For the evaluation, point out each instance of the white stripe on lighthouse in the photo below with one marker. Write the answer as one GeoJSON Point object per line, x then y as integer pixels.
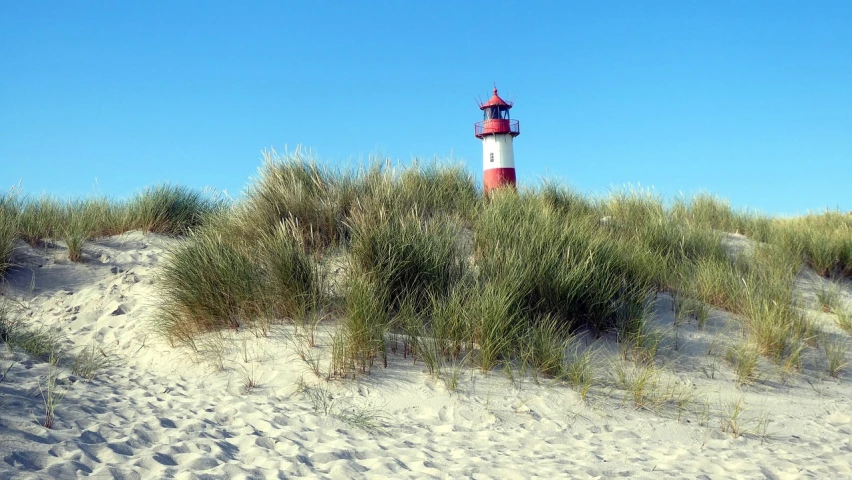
{"type": "Point", "coordinates": [497, 152]}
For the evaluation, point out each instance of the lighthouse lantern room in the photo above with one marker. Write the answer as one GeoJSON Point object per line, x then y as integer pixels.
{"type": "Point", "coordinates": [497, 130]}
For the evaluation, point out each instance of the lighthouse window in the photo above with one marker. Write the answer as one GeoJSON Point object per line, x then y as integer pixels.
{"type": "Point", "coordinates": [491, 156]}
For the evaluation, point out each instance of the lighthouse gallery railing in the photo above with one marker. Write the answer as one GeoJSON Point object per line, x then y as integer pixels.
{"type": "Point", "coordinates": [497, 125]}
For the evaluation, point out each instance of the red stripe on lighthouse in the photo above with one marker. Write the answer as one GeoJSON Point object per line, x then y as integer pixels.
{"type": "Point", "coordinates": [498, 177]}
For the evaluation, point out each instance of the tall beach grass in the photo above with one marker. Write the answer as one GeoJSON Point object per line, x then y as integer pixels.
{"type": "Point", "coordinates": [507, 279]}
{"type": "Point", "coordinates": [43, 221]}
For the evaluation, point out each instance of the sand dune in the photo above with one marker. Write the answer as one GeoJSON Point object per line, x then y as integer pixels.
{"type": "Point", "coordinates": [156, 412]}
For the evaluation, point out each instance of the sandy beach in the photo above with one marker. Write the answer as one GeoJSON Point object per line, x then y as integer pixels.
{"type": "Point", "coordinates": [497, 240]}
{"type": "Point", "coordinates": [154, 411]}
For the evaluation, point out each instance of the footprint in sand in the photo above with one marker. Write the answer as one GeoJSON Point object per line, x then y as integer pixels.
{"type": "Point", "coordinates": [89, 437]}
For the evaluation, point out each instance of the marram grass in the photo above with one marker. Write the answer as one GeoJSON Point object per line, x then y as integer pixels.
{"type": "Point", "coordinates": [505, 279]}
{"type": "Point", "coordinates": [212, 281]}
{"type": "Point", "coordinates": [9, 212]}
{"type": "Point", "coordinates": [509, 278]}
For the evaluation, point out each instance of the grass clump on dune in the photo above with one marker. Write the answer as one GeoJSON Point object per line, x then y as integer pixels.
{"type": "Point", "coordinates": [430, 190]}
{"type": "Point", "coordinates": [708, 212]}
{"type": "Point", "coordinates": [40, 342]}
{"type": "Point", "coordinates": [844, 321]}
{"type": "Point", "coordinates": [47, 219]}
{"type": "Point", "coordinates": [559, 265]}
{"type": "Point", "coordinates": [496, 325]}
{"type": "Point", "coordinates": [162, 209]}
{"type": "Point", "coordinates": [361, 335]}
{"type": "Point", "coordinates": [299, 191]}
{"type": "Point", "coordinates": [823, 241]}
{"type": "Point", "coordinates": [758, 288]}
{"type": "Point", "coordinates": [82, 220]}
{"type": "Point", "coordinates": [40, 219]}
{"type": "Point", "coordinates": [319, 200]}
{"type": "Point", "coordinates": [408, 260]}
{"type": "Point", "coordinates": [9, 209]}
{"type": "Point", "coordinates": [304, 208]}
{"type": "Point", "coordinates": [508, 279]}
{"type": "Point", "coordinates": [398, 263]}
{"type": "Point", "coordinates": [828, 298]}
{"type": "Point", "coordinates": [168, 209]}
{"type": "Point", "coordinates": [537, 274]}
{"type": "Point", "coordinates": [212, 281]}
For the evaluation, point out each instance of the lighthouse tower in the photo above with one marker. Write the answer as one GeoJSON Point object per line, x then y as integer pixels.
{"type": "Point", "coordinates": [497, 130]}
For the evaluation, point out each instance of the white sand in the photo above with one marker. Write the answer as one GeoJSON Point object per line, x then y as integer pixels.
{"type": "Point", "coordinates": [154, 413]}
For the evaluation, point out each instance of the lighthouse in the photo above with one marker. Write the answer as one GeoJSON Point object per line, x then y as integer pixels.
{"type": "Point", "coordinates": [497, 130]}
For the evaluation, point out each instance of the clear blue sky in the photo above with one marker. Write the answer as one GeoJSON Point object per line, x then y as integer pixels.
{"type": "Point", "coordinates": [748, 100]}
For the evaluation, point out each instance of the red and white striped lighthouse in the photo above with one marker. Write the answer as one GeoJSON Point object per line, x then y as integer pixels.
{"type": "Point", "coordinates": [497, 130]}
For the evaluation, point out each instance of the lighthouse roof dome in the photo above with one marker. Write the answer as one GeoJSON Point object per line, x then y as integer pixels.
{"type": "Point", "coordinates": [495, 101]}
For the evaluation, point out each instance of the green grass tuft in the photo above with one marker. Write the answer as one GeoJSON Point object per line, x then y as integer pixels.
{"type": "Point", "coordinates": [169, 209]}
{"type": "Point", "coordinates": [212, 282]}
{"type": "Point", "coordinates": [9, 218]}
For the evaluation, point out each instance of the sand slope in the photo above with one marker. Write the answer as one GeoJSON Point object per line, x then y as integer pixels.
{"type": "Point", "coordinates": [156, 413]}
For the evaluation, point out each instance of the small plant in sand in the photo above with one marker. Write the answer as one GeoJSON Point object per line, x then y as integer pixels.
{"type": "Point", "coordinates": [430, 351]}
{"type": "Point", "coordinates": [453, 374]}
{"type": "Point", "coordinates": [367, 418]}
{"type": "Point", "coordinates": [777, 330]}
{"type": "Point", "coordinates": [51, 393]}
{"type": "Point", "coordinates": [320, 396]}
{"type": "Point", "coordinates": [795, 356]}
{"type": "Point", "coordinates": [307, 353]}
{"type": "Point", "coordinates": [683, 307]}
{"type": "Point", "coordinates": [642, 346]}
{"type": "Point", "coordinates": [579, 368]}
{"type": "Point", "coordinates": [307, 320]}
{"type": "Point", "coordinates": [645, 386]}
{"type": "Point", "coordinates": [731, 417]}
{"type": "Point", "coordinates": [639, 383]}
{"type": "Point", "coordinates": [4, 371]}
{"type": "Point", "coordinates": [836, 357]}
{"type": "Point", "coordinates": [828, 298]}
{"type": "Point", "coordinates": [248, 376]}
{"type": "Point", "coordinates": [89, 361]}
{"type": "Point", "coordinates": [40, 342]}
{"type": "Point", "coordinates": [8, 323]}
{"type": "Point", "coordinates": [75, 241]}
{"type": "Point", "coordinates": [688, 308]}
{"type": "Point", "coordinates": [732, 420]}
{"type": "Point", "coordinates": [844, 321]}
{"type": "Point", "coordinates": [744, 358]}
{"type": "Point", "coordinates": [710, 368]}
